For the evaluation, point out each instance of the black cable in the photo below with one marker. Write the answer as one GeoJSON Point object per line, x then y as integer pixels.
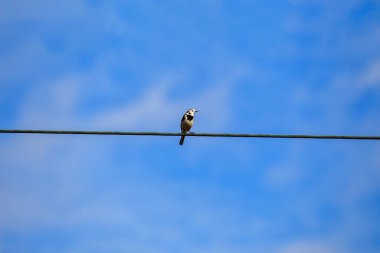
{"type": "Point", "coordinates": [288, 136]}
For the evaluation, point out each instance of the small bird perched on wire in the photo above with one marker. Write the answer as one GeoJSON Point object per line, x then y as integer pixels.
{"type": "Point", "coordinates": [186, 123]}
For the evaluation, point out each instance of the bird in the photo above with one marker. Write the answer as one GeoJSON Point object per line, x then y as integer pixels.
{"type": "Point", "coordinates": [186, 123]}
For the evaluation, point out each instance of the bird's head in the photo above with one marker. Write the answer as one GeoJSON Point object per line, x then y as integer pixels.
{"type": "Point", "coordinates": [191, 112]}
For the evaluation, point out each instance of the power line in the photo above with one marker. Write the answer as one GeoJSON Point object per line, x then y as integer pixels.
{"type": "Point", "coordinates": [283, 136]}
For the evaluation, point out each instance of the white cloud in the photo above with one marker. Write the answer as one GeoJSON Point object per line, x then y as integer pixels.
{"type": "Point", "coordinates": [40, 10]}
{"type": "Point", "coordinates": [24, 61]}
{"type": "Point", "coordinates": [370, 77]}
{"type": "Point", "coordinates": [141, 207]}
{"type": "Point", "coordinates": [55, 104]}
{"type": "Point", "coordinates": [156, 110]}
{"type": "Point", "coordinates": [152, 111]}
{"type": "Point", "coordinates": [311, 246]}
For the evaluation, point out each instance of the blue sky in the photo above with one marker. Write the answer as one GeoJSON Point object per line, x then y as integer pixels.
{"type": "Point", "coordinates": [297, 66]}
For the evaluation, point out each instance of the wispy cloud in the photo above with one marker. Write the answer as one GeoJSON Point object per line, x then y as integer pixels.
{"type": "Point", "coordinates": [40, 10]}
{"type": "Point", "coordinates": [99, 65]}
{"type": "Point", "coordinates": [371, 75]}
{"type": "Point", "coordinates": [157, 110]}
{"type": "Point", "coordinates": [312, 246]}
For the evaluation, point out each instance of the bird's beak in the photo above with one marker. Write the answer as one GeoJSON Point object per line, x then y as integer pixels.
{"type": "Point", "coordinates": [196, 111]}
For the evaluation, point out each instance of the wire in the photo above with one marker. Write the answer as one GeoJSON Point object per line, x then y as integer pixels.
{"type": "Point", "coordinates": [288, 136]}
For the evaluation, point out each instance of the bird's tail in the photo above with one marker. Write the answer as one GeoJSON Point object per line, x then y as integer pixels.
{"type": "Point", "coordinates": [182, 140]}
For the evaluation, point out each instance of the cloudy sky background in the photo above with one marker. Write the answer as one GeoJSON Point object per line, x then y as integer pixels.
{"type": "Point", "coordinates": [297, 66]}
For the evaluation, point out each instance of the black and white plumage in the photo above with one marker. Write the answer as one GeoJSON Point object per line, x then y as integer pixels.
{"type": "Point", "coordinates": [187, 123]}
